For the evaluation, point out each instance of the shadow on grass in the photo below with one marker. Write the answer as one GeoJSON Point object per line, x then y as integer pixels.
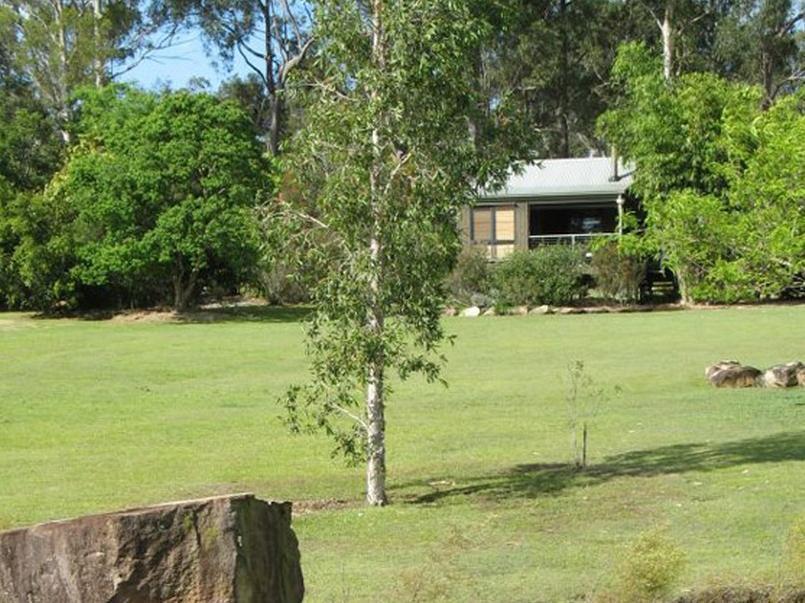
{"type": "Point", "coordinates": [265, 314]}
{"type": "Point", "coordinates": [537, 480]}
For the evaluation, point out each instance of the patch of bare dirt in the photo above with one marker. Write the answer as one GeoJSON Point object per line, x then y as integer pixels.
{"type": "Point", "coordinates": [146, 316]}
{"type": "Point", "coordinates": [307, 507]}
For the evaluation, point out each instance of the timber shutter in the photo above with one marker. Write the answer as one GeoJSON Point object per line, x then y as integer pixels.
{"type": "Point", "coordinates": [494, 228]}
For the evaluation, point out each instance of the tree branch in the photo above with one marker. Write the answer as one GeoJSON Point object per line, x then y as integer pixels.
{"type": "Point", "coordinates": [286, 68]}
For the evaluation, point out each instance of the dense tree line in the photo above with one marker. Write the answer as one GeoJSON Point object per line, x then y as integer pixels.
{"type": "Point", "coordinates": [92, 191]}
{"type": "Point", "coordinates": [721, 176]}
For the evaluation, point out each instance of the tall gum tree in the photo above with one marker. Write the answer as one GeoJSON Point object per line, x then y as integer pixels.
{"type": "Point", "coordinates": [272, 37]}
{"type": "Point", "coordinates": [61, 45]}
{"type": "Point", "coordinates": [397, 139]}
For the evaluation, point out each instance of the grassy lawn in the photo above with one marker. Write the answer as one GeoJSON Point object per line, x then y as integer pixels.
{"type": "Point", "coordinates": [106, 414]}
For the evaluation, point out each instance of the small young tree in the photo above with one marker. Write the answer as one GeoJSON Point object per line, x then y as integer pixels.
{"type": "Point", "coordinates": [584, 400]}
{"type": "Point", "coordinates": [396, 140]}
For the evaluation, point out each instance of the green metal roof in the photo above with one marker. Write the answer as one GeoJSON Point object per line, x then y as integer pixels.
{"type": "Point", "coordinates": [589, 176]}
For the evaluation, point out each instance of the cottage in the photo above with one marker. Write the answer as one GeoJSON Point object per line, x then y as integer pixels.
{"type": "Point", "coordinates": [552, 201]}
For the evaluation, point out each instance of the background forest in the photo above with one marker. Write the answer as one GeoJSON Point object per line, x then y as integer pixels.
{"type": "Point", "coordinates": [116, 196]}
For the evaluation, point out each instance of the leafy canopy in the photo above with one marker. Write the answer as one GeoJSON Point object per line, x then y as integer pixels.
{"type": "Point", "coordinates": [396, 140]}
{"type": "Point", "coordinates": [157, 196]}
{"type": "Point", "coordinates": [720, 178]}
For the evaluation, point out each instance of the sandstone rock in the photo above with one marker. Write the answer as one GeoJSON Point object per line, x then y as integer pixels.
{"type": "Point", "coordinates": [541, 310]}
{"type": "Point", "coordinates": [230, 549]}
{"type": "Point", "coordinates": [783, 375]}
{"type": "Point", "coordinates": [570, 310]}
{"type": "Point", "coordinates": [449, 311]}
{"type": "Point", "coordinates": [471, 312]}
{"type": "Point", "coordinates": [490, 312]}
{"type": "Point", "coordinates": [732, 374]}
{"type": "Point", "coordinates": [518, 311]}
{"type": "Point", "coordinates": [719, 366]}
{"type": "Point", "coordinates": [801, 377]}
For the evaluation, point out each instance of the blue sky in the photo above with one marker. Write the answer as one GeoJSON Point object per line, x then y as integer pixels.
{"type": "Point", "coordinates": [178, 64]}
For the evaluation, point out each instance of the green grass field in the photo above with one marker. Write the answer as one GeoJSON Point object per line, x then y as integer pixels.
{"type": "Point", "coordinates": [98, 415]}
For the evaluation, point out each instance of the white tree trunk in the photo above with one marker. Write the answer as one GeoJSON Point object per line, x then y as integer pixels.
{"type": "Point", "coordinates": [375, 410]}
{"type": "Point", "coordinates": [61, 78]}
{"type": "Point", "coordinates": [376, 437]}
{"type": "Point", "coordinates": [97, 60]}
{"type": "Point", "coordinates": [667, 30]}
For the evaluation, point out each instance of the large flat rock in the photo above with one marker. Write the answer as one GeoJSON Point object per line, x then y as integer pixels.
{"type": "Point", "coordinates": [229, 549]}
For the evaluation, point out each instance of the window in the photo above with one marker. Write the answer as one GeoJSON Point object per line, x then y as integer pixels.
{"type": "Point", "coordinates": [493, 227]}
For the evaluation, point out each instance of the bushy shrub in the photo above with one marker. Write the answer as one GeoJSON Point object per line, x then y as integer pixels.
{"type": "Point", "coordinates": [794, 555]}
{"type": "Point", "coordinates": [719, 177]}
{"type": "Point", "coordinates": [471, 275]}
{"type": "Point", "coordinates": [156, 203]}
{"type": "Point", "coordinates": [279, 285]}
{"type": "Point", "coordinates": [618, 275]}
{"type": "Point", "coordinates": [547, 275]}
{"type": "Point", "coordinates": [650, 569]}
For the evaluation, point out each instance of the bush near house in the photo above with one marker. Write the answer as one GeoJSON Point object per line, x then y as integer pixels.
{"type": "Point", "coordinates": [719, 175]}
{"type": "Point", "coordinates": [618, 274]}
{"type": "Point", "coordinates": [472, 275]}
{"type": "Point", "coordinates": [547, 275]}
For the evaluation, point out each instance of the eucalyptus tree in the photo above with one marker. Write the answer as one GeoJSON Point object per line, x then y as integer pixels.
{"type": "Point", "coordinates": [687, 29]}
{"type": "Point", "coordinates": [762, 42]}
{"type": "Point", "coordinates": [397, 138]}
{"type": "Point", "coordinates": [272, 37]}
{"type": "Point", "coordinates": [60, 45]}
{"type": "Point", "coordinates": [556, 56]}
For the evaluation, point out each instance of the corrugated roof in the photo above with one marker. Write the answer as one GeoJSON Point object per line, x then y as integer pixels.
{"type": "Point", "coordinates": [560, 177]}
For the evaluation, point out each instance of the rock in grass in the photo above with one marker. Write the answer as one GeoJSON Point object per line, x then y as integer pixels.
{"type": "Point", "coordinates": [719, 366]}
{"type": "Point", "coordinates": [730, 373]}
{"type": "Point", "coordinates": [745, 594]}
{"type": "Point", "coordinates": [545, 309]}
{"type": "Point", "coordinates": [518, 311]}
{"type": "Point", "coordinates": [490, 312]}
{"type": "Point", "coordinates": [471, 312]}
{"type": "Point", "coordinates": [229, 549]}
{"type": "Point", "coordinates": [784, 375]}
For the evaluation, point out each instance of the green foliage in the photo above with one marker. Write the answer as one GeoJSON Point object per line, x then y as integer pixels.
{"type": "Point", "coordinates": [472, 274]}
{"type": "Point", "coordinates": [547, 275]}
{"type": "Point", "coordinates": [29, 153]}
{"type": "Point", "coordinates": [385, 161]}
{"type": "Point", "coordinates": [760, 42]}
{"type": "Point", "coordinates": [650, 569]}
{"type": "Point", "coordinates": [618, 274]}
{"type": "Point", "coordinates": [60, 46]}
{"type": "Point", "coordinates": [155, 202]}
{"type": "Point", "coordinates": [719, 177]}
